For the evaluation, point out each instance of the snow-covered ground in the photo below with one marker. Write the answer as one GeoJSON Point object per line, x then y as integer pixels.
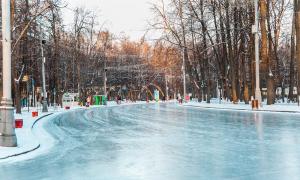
{"type": "Point", "coordinates": [32, 137]}
{"type": "Point", "coordinates": [226, 105]}
{"type": "Point", "coordinates": [27, 141]}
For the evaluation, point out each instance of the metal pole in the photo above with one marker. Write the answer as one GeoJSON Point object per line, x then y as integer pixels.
{"type": "Point", "coordinates": [7, 128]}
{"type": "Point", "coordinates": [28, 101]}
{"type": "Point", "coordinates": [183, 73]}
{"type": "Point", "coordinates": [45, 106]}
{"type": "Point", "coordinates": [257, 89]}
{"type": "Point", "coordinates": [167, 88]}
{"type": "Point", "coordinates": [104, 77]}
{"type": "Point", "coordinates": [54, 93]}
{"type": "Point", "coordinates": [33, 93]}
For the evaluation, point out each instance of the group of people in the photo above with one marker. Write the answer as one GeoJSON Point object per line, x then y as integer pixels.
{"type": "Point", "coordinates": [118, 99]}
{"type": "Point", "coordinates": [180, 98]}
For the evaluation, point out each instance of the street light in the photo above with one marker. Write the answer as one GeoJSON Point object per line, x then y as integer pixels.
{"type": "Point", "coordinates": [255, 32]}
{"type": "Point", "coordinates": [7, 128]}
{"type": "Point", "coordinates": [54, 99]}
{"type": "Point", "coordinates": [202, 87]}
{"type": "Point", "coordinates": [167, 88]}
{"type": "Point", "coordinates": [105, 80]}
{"type": "Point", "coordinates": [183, 73]}
{"type": "Point", "coordinates": [45, 106]}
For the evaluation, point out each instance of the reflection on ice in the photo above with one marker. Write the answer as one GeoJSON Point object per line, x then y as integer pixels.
{"type": "Point", "coordinates": [167, 142]}
{"type": "Point", "coordinates": [259, 124]}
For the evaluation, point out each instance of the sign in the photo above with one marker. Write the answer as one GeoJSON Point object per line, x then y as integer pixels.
{"type": "Point", "coordinates": [25, 78]}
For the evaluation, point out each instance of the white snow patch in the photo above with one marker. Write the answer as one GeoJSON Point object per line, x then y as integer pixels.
{"type": "Point", "coordinates": [226, 105]}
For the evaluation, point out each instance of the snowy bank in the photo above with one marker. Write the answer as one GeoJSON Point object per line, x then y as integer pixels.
{"type": "Point", "coordinates": [28, 140]}
{"type": "Point", "coordinates": [224, 105]}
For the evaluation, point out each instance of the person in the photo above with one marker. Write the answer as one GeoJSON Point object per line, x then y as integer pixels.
{"type": "Point", "coordinates": [116, 99]}
{"type": "Point", "coordinates": [23, 102]}
{"type": "Point", "coordinates": [88, 101]}
{"type": "Point", "coordinates": [179, 99]}
{"type": "Point", "coordinates": [119, 99]}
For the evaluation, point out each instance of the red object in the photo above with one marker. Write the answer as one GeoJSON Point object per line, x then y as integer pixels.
{"type": "Point", "coordinates": [19, 123]}
{"type": "Point", "coordinates": [187, 98]}
{"type": "Point", "coordinates": [35, 114]}
{"type": "Point", "coordinates": [67, 107]}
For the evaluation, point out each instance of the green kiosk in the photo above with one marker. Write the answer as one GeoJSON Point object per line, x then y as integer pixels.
{"type": "Point", "coordinates": [100, 100]}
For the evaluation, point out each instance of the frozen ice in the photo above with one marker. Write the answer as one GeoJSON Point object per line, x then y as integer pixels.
{"type": "Point", "coordinates": [165, 141]}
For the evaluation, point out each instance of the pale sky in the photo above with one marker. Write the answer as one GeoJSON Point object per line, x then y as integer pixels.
{"type": "Point", "coordinates": [129, 16]}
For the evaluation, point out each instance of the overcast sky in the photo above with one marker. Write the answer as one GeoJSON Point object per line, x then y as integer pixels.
{"type": "Point", "coordinates": [129, 16]}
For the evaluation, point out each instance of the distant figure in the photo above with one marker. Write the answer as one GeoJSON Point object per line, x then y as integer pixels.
{"type": "Point", "coordinates": [179, 98]}
{"type": "Point", "coordinates": [23, 102]}
{"type": "Point", "coordinates": [119, 99]}
{"type": "Point", "coordinates": [88, 101]}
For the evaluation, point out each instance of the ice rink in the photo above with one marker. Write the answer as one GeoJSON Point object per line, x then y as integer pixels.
{"type": "Point", "coordinates": [166, 142]}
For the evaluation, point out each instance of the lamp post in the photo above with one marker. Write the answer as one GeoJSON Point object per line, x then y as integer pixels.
{"type": "Point", "coordinates": [183, 73]}
{"type": "Point", "coordinates": [45, 106]}
{"type": "Point", "coordinates": [54, 93]}
{"type": "Point", "coordinates": [167, 88]}
{"type": "Point", "coordinates": [105, 79]}
{"type": "Point", "coordinates": [7, 128]}
{"type": "Point", "coordinates": [255, 32]}
{"type": "Point", "coordinates": [202, 87]}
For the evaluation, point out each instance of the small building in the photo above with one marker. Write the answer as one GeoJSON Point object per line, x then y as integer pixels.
{"type": "Point", "coordinates": [70, 99]}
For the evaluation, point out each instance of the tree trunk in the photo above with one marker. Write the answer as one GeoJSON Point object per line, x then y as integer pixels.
{"type": "Point", "coordinates": [270, 57]}
{"type": "Point", "coordinates": [297, 27]}
{"type": "Point", "coordinates": [18, 98]}
{"type": "Point", "coordinates": [264, 36]}
{"type": "Point", "coordinates": [231, 58]}
{"type": "Point", "coordinates": [246, 93]}
{"type": "Point", "coordinates": [292, 66]}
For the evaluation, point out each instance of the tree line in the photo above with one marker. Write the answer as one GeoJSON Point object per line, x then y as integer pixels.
{"type": "Point", "coordinates": [216, 40]}
{"type": "Point", "coordinates": [77, 55]}
{"type": "Point", "coordinates": [214, 37]}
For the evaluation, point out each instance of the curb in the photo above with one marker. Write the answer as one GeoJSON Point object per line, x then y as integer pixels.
{"type": "Point", "coordinates": [31, 150]}
{"type": "Point", "coordinates": [239, 109]}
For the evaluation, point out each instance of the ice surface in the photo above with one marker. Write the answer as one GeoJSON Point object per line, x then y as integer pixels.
{"type": "Point", "coordinates": [37, 140]}
{"type": "Point", "coordinates": [165, 141]}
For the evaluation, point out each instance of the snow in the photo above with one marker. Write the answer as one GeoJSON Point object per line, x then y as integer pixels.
{"type": "Point", "coordinates": [33, 139]}
{"type": "Point", "coordinates": [226, 105]}
{"type": "Point", "coordinates": [27, 140]}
